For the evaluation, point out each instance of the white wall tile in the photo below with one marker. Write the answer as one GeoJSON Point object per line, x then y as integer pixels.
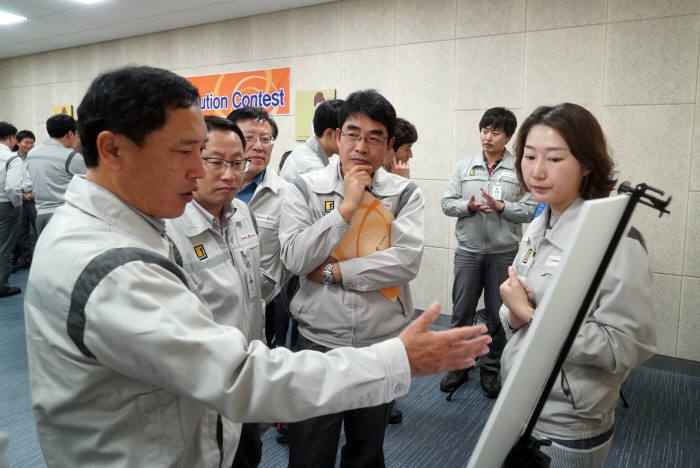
{"type": "Point", "coordinates": [431, 283]}
{"type": "Point", "coordinates": [691, 261]}
{"type": "Point", "coordinates": [489, 17]}
{"type": "Point", "coordinates": [317, 29]}
{"type": "Point", "coordinates": [652, 144]}
{"type": "Point", "coordinates": [548, 14]}
{"type": "Point", "coordinates": [695, 160]}
{"type": "Point", "coordinates": [162, 49]}
{"type": "Point", "coordinates": [667, 299]}
{"type": "Point", "coordinates": [626, 10]}
{"type": "Point", "coordinates": [652, 62]}
{"type": "Point", "coordinates": [135, 50]}
{"type": "Point", "coordinates": [420, 21]}
{"type": "Point", "coordinates": [232, 41]}
{"type": "Point", "coordinates": [489, 72]}
{"type": "Point", "coordinates": [367, 23]}
{"type": "Point", "coordinates": [423, 81]}
{"type": "Point", "coordinates": [436, 224]}
{"type": "Point", "coordinates": [195, 46]}
{"type": "Point", "coordinates": [565, 65]}
{"type": "Point", "coordinates": [689, 324]}
{"type": "Point", "coordinates": [109, 56]}
{"type": "Point", "coordinates": [272, 35]}
{"type": "Point", "coordinates": [368, 69]}
{"type": "Point", "coordinates": [315, 71]}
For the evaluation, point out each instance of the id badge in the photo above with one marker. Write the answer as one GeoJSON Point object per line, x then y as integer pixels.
{"type": "Point", "coordinates": [248, 275]}
{"type": "Point", "coordinates": [497, 191]}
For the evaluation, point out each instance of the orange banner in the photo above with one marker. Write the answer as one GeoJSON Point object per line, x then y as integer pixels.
{"type": "Point", "coordinates": [223, 93]}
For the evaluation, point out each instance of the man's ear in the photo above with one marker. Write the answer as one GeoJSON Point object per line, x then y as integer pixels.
{"type": "Point", "coordinates": [329, 133]}
{"type": "Point", "coordinates": [108, 145]}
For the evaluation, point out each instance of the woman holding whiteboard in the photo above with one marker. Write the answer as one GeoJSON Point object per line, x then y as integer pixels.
{"type": "Point", "coordinates": [562, 158]}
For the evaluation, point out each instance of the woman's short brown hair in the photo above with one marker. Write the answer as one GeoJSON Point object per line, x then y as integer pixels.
{"type": "Point", "coordinates": [586, 141]}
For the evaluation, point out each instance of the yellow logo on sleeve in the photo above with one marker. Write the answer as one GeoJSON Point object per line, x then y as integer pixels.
{"type": "Point", "coordinates": [201, 253]}
{"type": "Point", "coordinates": [330, 204]}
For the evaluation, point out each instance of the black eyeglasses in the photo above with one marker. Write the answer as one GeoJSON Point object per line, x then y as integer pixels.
{"type": "Point", "coordinates": [371, 140]}
{"type": "Point", "coordinates": [219, 164]}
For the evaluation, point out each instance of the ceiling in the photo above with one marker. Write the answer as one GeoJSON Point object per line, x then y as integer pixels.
{"type": "Point", "coordinates": [57, 24]}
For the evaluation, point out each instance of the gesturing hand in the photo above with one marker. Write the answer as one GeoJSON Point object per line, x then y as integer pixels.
{"type": "Point", "coordinates": [475, 206]}
{"type": "Point", "coordinates": [431, 352]}
{"type": "Point", "coordinates": [491, 202]}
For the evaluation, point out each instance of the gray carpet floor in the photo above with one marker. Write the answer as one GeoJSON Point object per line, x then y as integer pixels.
{"type": "Point", "coordinates": [661, 428]}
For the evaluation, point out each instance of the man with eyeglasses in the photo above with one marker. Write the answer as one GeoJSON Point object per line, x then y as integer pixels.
{"type": "Point", "coordinates": [217, 238]}
{"type": "Point", "coordinates": [263, 191]}
{"type": "Point", "coordinates": [339, 302]}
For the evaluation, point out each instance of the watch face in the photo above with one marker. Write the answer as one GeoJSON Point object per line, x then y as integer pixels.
{"type": "Point", "coordinates": [327, 274]}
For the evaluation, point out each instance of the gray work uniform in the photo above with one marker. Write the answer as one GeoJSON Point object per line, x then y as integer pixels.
{"type": "Point", "coordinates": [618, 334]}
{"type": "Point", "coordinates": [11, 172]}
{"type": "Point", "coordinates": [51, 167]}
{"type": "Point", "coordinates": [126, 361]}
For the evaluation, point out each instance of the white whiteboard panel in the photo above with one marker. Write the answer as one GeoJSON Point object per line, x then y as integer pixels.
{"type": "Point", "coordinates": [555, 316]}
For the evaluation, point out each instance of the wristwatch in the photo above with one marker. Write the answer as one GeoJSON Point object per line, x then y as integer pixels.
{"type": "Point", "coordinates": [327, 274]}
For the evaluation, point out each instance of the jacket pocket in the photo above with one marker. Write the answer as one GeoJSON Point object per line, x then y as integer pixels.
{"type": "Point", "coordinates": [160, 424]}
{"type": "Point", "coordinates": [566, 388]}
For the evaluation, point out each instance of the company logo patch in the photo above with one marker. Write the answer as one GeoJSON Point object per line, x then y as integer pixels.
{"type": "Point", "coordinates": [330, 204]}
{"type": "Point", "coordinates": [527, 256]}
{"type": "Point", "coordinates": [472, 172]}
{"type": "Point", "coordinates": [201, 253]}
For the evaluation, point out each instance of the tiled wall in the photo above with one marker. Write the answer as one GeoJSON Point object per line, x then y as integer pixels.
{"type": "Point", "coordinates": [633, 63]}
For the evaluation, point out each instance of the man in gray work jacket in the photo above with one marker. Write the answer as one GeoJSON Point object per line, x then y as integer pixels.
{"type": "Point", "coordinates": [339, 302]}
{"type": "Point", "coordinates": [320, 146]}
{"type": "Point", "coordinates": [52, 165]}
{"type": "Point", "coordinates": [11, 171]}
{"type": "Point", "coordinates": [125, 358]}
{"type": "Point", "coordinates": [486, 198]}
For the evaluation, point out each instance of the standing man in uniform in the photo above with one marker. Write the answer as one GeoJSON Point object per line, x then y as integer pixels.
{"type": "Point", "coordinates": [320, 146]}
{"type": "Point", "coordinates": [125, 358]}
{"type": "Point", "coordinates": [11, 172]}
{"type": "Point", "coordinates": [218, 240]}
{"type": "Point", "coordinates": [52, 165]}
{"type": "Point", "coordinates": [486, 198]}
{"type": "Point", "coordinates": [263, 190]}
{"type": "Point", "coordinates": [27, 228]}
{"type": "Point", "coordinates": [339, 302]}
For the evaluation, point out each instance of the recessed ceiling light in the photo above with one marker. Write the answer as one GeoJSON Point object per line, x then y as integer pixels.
{"type": "Point", "coordinates": [87, 2]}
{"type": "Point", "coordinates": [9, 18]}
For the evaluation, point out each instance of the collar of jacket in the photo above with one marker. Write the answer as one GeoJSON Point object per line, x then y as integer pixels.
{"type": "Point", "coordinates": [270, 181]}
{"type": "Point", "coordinates": [562, 230]}
{"type": "Point", "coordinates": [315, 144]}
{"type": "Point", "coordinates": [384, 184]}
{"type": "Point", "coordinates": [507, 162]}
{"type": "Point", "coordinates": [196, 220]}
{"type": "Point", "coordinates": [108, 207]}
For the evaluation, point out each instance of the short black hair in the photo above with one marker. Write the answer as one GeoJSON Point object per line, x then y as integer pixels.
{"type": "Point", "coordinates": [7, 130]}
{"type": "Point", "coordinates": [22, 134]}
{"type": "Point", "coordinates": [219, 123]}
{"type": "Point", "coordinates": [253, 113]}
{"type": "Point", "coordinates": [405, 133]}
{"type": "Point", "coordinates": [59, 125]}
{"type": "Point", "coordinates": [373, 105]}
{"type": "Point", "coordinates": [499, 118]}
{"type": "Point", "coordinates": [131, 101]}
{"type": "Point", "coordinates": [326, 116]}
{"type": "Point", "coordinates": [283, 159]}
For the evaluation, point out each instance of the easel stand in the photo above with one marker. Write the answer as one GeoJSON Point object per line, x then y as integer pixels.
{"type": "Point", "coordinates": [526, 453]}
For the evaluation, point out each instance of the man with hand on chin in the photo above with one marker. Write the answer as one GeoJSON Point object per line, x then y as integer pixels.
{"type": "Point", "coordinates": [338, 303]}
